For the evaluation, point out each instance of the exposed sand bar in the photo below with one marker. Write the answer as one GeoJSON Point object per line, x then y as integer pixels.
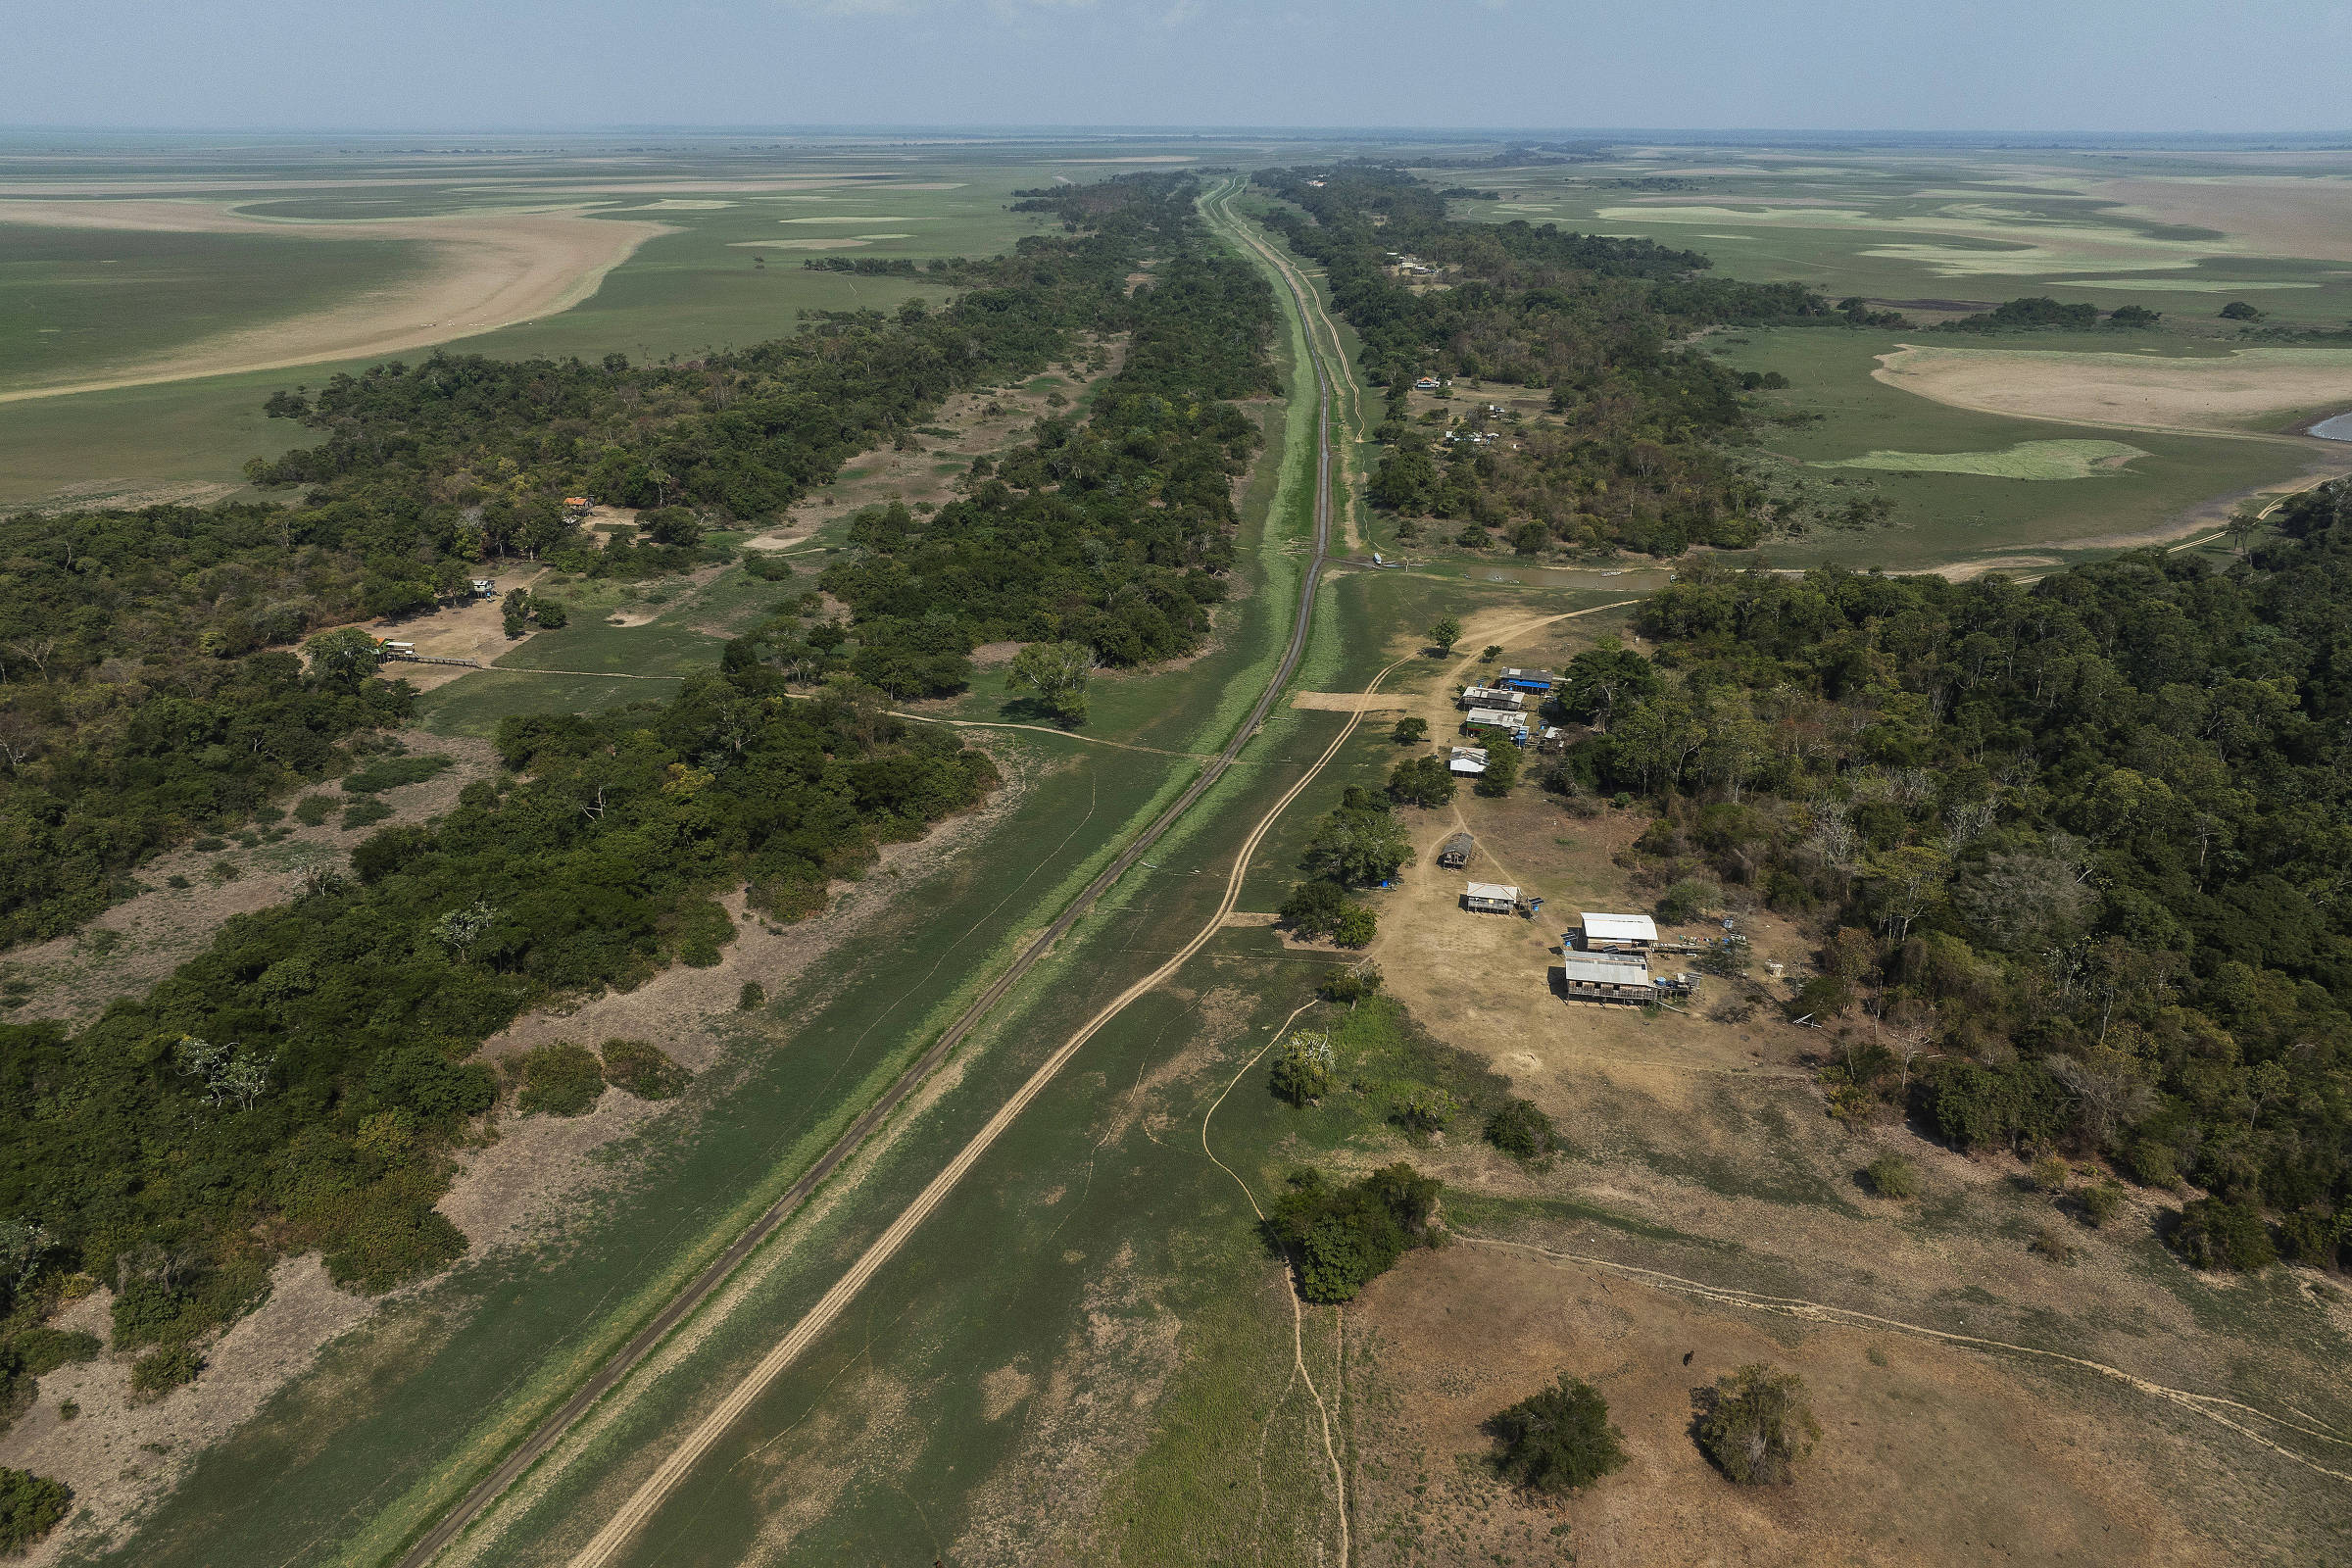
{"type": "Point", "coordinates": [2233, 394]}
{"type": "Point", "coordinates": [485, 271]}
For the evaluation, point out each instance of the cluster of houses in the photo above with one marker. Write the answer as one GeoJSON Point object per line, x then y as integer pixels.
{"type": "Point", "coordinates": [1503, 710]}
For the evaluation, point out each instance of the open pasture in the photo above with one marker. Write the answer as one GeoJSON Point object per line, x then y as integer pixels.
{"type": "Point", "coordinates": [1839, 415]}
{"type": "Point", "coordinates": [2259, 388]}
{"type": "Point", "coordinates": [1930, 229]}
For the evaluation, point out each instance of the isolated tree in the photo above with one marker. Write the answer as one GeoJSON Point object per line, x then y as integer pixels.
{"type": "Point", "coordinates": [515, 611]}
{"type": "Point", "coordinates": [1558, 1440]}
{"type": "Point", "coordinates": [1304, 1067]}
{"type": "Point", "coordinates": [1445, 634]}
{"type": "Point", "coordinates": [1057, 672]}
{"type": "Point", "coordinates": [1358, 847]}
{"type": "Point", "coordinates": [1421, 781]}
{"type": "Point", "coordinates": [1756, 1425]}
{"type": "Point", "coordinates": [1410, 732]}
{"type": "Point", "coordinates": [2241, 526]}
{"type": "Point", "coordinates": [1493, 651]}
{"type": "Point", "coordinates": [2240, 310]}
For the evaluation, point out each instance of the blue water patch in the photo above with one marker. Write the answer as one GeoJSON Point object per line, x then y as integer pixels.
{"type": "Point", "coordinates": [2338, 428]}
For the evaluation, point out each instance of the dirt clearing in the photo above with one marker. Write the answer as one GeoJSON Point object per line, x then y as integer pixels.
{"type": "Point", "coordinates": [2235, 393]}
{"type": "Point", "coordinates": [487, 270]}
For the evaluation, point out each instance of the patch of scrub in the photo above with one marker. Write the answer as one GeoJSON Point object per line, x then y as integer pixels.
{"type": "Point", "coordinates": [2028, 459]}
{"type": "Point", "coordinates": [2175, 285]}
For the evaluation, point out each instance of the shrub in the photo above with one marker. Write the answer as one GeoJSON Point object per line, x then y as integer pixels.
{"type": "Point", "coordinates": [1491, 652]}
{"type": "Point", "coordinates": [2311, 1237]}
{"type": "Point", "coordinates": [45, 1348]}
{"type": "Point", "coordinates": [176, 880]}
{"type": "Point", "coordinates": [1756, 1425]}
{"type": "Point", "coordinates": [1823, 997]}
{"type": "Point", "coordinates": [393, 773]}
{"type": "Point", "coordinates": [1892, 1176]}
{"type": "Point", "coordinates": [753, 995]}
{"type": "Point", "coordinates": [2102, 1203]}
{"type": "Point", "coordinates": [1342, 1238]}
{"type": "Point", "coordinates": [30, 1506]}
{"type": "Point", "coordinates": [1351, 986]}
{"type": "Point", "coordinates": [641, 1068]}
{"type": "Point", "coordinates": [1303, 1068]}
{"type": "Point", "coordinates": [1521, 1130]}
{"type": "Point", "coordinates": [2049, 1243]}
{"type": "Point", "coordinates": [2050, 1174]}
{"type": "Point", "coordinates": [209, 844]}
{"type": "Point", "coordinates": [1355, 927]}
{"type": "Point", "coordinates": [1559, 1440]}
{"type": "Point", "coordinates": [313, 809]}
{"type": "Point", "coordinates": [1425, 1111]}
{"type": "Point", "coordinates": [365, 812]}
{"type": "Point", "coordinates": [2214, 1233]}
{"type": "Point", "coordinates": [1687, 899]}
{"type": "Point", "coordinates": [162, 1369]}
{"type": "Point", "coordinates": [560, 1078]}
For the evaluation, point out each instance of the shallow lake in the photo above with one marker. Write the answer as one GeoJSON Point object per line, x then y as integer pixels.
{"type": "Point", "coordinates": [2338, 428]}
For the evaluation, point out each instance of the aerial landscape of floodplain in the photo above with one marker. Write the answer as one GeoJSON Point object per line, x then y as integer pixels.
{"type": "Point", "coordinates": [953, 783]}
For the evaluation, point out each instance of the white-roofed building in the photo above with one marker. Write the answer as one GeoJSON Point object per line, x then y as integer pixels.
{"type": "Point", "coordinates": [1492, 898]}
{"type": "Point", "coordinates": [1470, 762]}
{"type": "Point", "coordinates": [1606, 978]}
{"type": "Point", "coordinates": [1623, 932]}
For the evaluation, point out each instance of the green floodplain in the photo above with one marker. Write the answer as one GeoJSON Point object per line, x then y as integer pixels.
{"type": "Point", "coordinates": [1099, 1241]}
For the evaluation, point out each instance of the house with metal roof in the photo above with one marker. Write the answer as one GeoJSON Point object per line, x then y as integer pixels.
{"type": "Point", "coordinates": [1634, 933]}
{"type": "Point", "coordinates": [1454, 853]}
{"type": "Point", "coordinates": [1468, 762]}
{"type": "Point", "coordinates": [1492, 898]}
{"type": "Point", "coordinates": [1527, 680]}
{"type": "Point", "coordinates": [1606, 978]}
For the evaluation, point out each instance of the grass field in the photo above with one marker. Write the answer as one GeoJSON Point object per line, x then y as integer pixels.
{"type": "Point", "coordinates": [78, 302]}
{"type": "Point", "coordinates": [2028, 459]}
{"type": "Point", "coordinates": [1942, 516]}
{"type": "Point", "coordinates": [2173, 232]}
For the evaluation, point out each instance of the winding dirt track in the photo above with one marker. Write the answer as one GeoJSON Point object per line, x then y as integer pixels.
{"type": "Point", "coordinates": [550, 1431]}
{"type": "Point", "coordinates": [649, 1496]}
{"type": "Point", "coordinates": [2213, 1407]}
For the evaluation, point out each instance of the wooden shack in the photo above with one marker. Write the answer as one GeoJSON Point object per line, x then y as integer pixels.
{"type": "Point", "coordinates": [1454, 853]}
{"type": "Point", "coordinates": [1606, 978]}
{"type": "Point", "coordinates": [1492, 898]}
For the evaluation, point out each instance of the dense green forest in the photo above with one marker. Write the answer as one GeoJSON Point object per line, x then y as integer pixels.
{"type": "Point", "coordinates": [303, 1084]}
{"type": "Point", "coordinates": [300, 1084]}
{"type": "Point", "coordinates": [143, 696]}
{"type": "Point", "coordinates": [143, 699]}
{"type": "Point", "coordinates": [2082, 847]}
{"type": "Point", "coordinates": [1633, 452]}
{"type": "Point", "coordinates": [1114, 531]}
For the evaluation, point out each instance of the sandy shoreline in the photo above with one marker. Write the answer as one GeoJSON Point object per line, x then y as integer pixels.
{"type": "Point", "coordinates": [487, 270]}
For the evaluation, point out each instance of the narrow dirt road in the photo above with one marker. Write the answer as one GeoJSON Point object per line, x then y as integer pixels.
{"type": "Point", "coordinates": [698, 1290]}
{"type": "Point", "coordinates": [649, 1496]}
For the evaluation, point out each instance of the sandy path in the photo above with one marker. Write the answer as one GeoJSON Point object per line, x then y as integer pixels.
{"type": "Point", "coordinates": [2219, 396]}
{"type": "Point", "coordinates": [485, 271]}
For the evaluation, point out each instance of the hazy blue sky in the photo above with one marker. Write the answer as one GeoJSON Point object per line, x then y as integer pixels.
{"type": "Point", "coordinates": [1999, 65]}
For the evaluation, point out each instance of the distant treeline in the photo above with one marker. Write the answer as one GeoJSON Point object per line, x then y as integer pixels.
{"type": "Point", "coordinates": [1114, 530]}
{"type": "Point", "coordinates": [2045, 314]}
{"type": "Point", "coordinates": [2084, 844]}
{"type": "Point", "coordinates": [1595, 320]}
